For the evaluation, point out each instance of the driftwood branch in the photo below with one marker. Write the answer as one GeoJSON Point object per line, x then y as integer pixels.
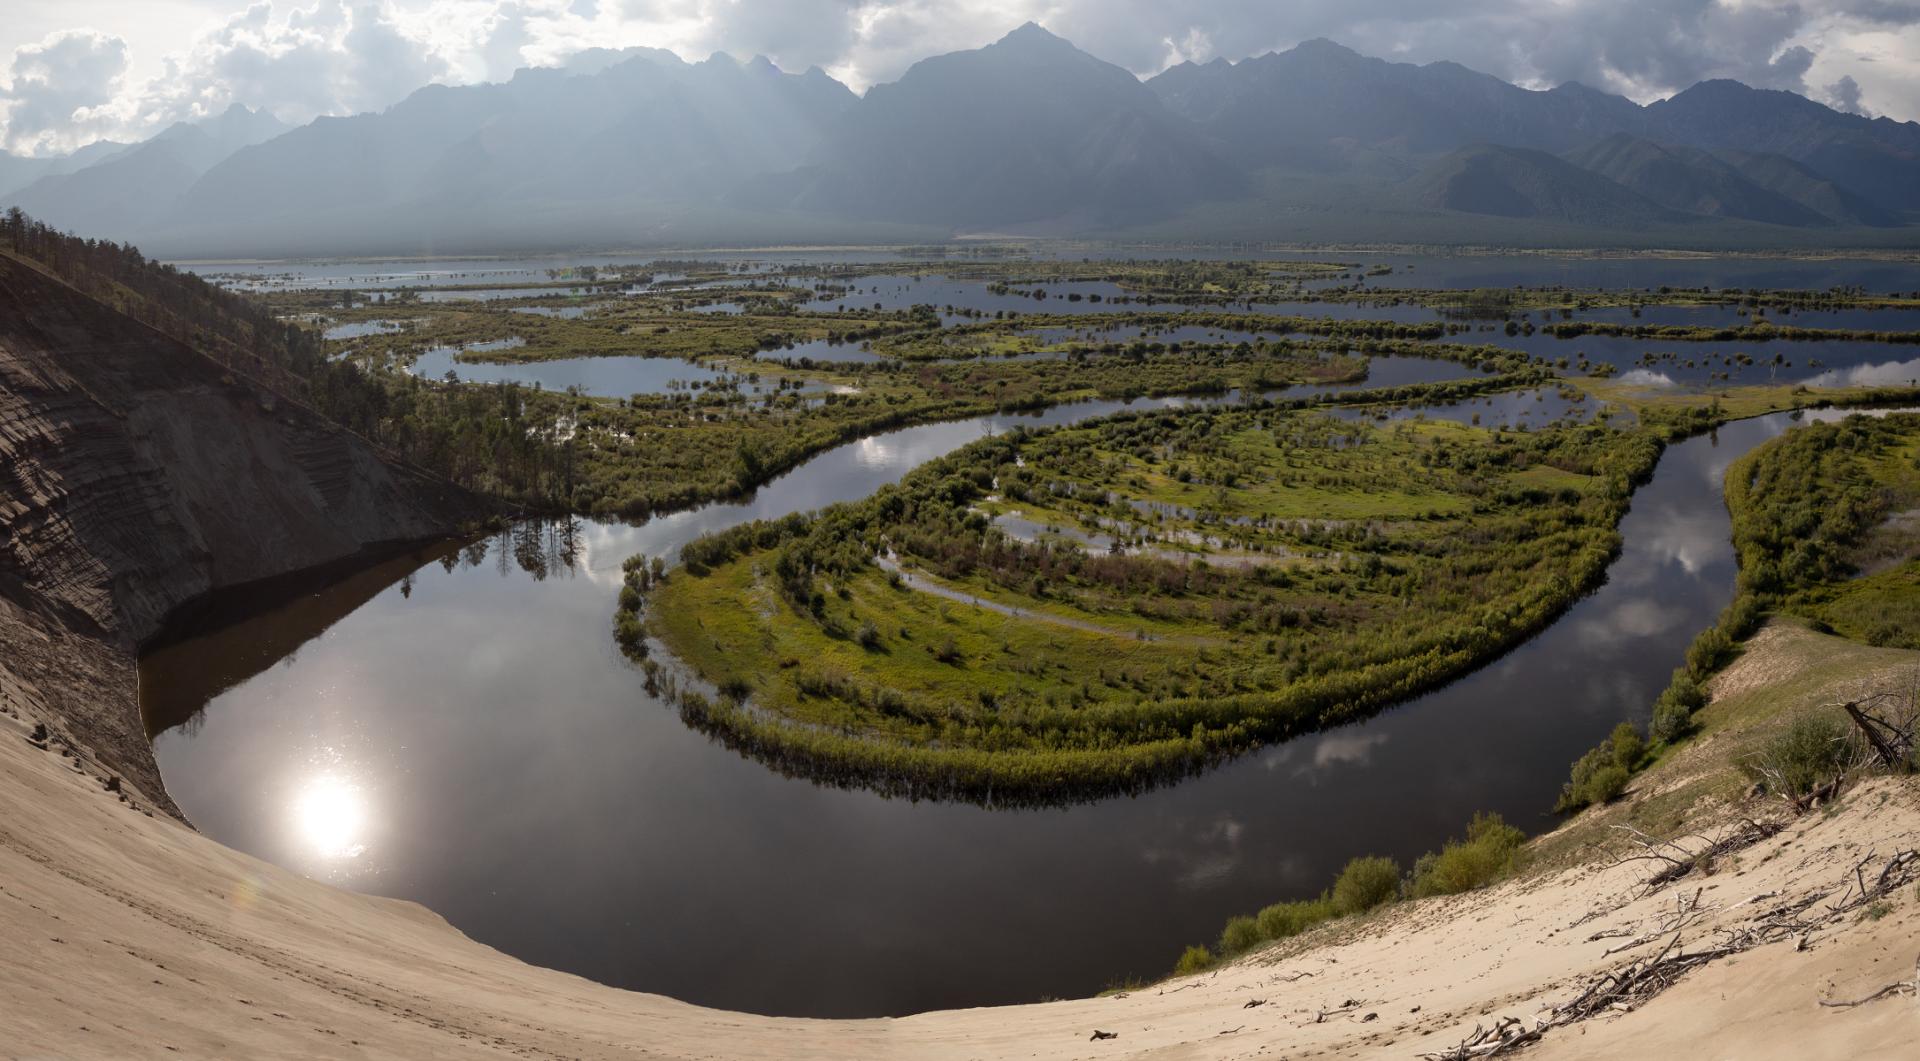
{"type": "Point", "coordinates": [1508, 1033]}
{"type": "Point", "coordinates": [1631, 985]}
{"type": "Point", "coordinates": [1892, 738]}
{"type": "Point", "coordinates": [1896, 988]}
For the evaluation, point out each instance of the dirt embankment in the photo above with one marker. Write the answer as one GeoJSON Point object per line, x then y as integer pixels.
{"type": "Point", "coordinates": [136, 475]}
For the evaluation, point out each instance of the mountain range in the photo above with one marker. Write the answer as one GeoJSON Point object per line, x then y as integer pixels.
{"type": "Point", "coordinates": [1028, 135]}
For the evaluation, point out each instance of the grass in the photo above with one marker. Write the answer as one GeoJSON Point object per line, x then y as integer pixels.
{"type": "Point", "coordinates": [1783, 673]}
{"type": "Point", "coordinates": [1881, 609]}
{"type": "Point", "coordinates": [1685, 411]}
{"type": "Point", "coordinates": [1447, 544]}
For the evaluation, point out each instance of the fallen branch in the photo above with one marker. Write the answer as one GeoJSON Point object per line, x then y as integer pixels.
{"type": "Point", "coordinates": [1507, 1033]}
{"type": "Point", "coordinates": [1898, 987]}
{"type": "Point", "coordinates": [1891, 739]}
{"type": "Point", "coordinates": [1750, 833]}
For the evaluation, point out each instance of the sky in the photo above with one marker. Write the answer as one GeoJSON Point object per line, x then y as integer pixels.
{"type": "Point", "coordinates": [76, 71]}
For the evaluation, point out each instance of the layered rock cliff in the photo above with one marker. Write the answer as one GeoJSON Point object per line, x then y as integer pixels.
{"type": "Point", "coordinates": [137, 474]}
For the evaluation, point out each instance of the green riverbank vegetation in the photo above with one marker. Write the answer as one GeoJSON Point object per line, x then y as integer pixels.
{"type": "Point", "coordinates": [1489, 852]}
{"type": "Point", "coordinates": [1089, 609]}
{"type": "Point", "coordinates": [1825, 530]}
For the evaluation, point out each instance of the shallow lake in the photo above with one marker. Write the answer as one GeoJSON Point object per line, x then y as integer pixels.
{"type": "Point", "coordinates": [606, 377]}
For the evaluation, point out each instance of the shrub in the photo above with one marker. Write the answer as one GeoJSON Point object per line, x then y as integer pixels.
{"type": "Point", "coordinates": [1671, 721]}
{"type": "Point", "coordinates": [1607, 783]}
{"type": "Point", "coordinates": [1364, 884]}
{"type": "Point", "coordinates": [1241, 934]}
{"type": "Point", "coordinates": [1742, 617]}
{"type": "Point", "coordinates": [1708, 651]}
{"type": "Point", "coordinates": [1809, 753]}
{"type": "Point", "coordinates": [1601, 774]}
{"type": "Point", "coordinates": [1628, 746]}
{"type": "Point", "coordinates": [1673, 712]}
{"type": "Point", "coordinates": [1485, 856]}
{"type": "Point", "coordinates": [1197, 959]}
{"type": "Point", "coordinates": [631, 636]}
{"type": "Point", "coordinates": [1282, 920]}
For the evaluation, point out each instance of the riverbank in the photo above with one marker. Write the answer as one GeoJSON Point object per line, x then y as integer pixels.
{"type": "Point", "coordinates": [138, 937]}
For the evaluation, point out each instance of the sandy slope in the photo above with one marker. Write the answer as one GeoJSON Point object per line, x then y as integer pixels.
{"type": "Point", "coordinates": [124, 934]}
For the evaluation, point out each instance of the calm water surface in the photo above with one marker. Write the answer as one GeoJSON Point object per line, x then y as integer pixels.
{"type": "Point", "coordinates": [609, 377]}
{"type": "Point", "coordinates": [457, 727]}
{"type": "Point", "coordinates": [1875, 275]}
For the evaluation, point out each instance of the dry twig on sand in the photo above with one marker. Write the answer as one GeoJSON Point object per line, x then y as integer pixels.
{"type": "Point", "coordinates": [1508, 1033]}
{"type": "Point", "coordinates": [1628, 987]}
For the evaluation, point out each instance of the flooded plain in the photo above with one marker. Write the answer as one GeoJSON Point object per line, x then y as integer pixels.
{"type": "Point", "coordinates": [456, 726]}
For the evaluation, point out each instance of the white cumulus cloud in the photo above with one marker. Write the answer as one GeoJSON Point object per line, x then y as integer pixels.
{"type": "Point", "coordinates": [302, 58]}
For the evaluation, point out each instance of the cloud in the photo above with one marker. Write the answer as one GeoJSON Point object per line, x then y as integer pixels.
{"type": "Point", "coordinates": [342, 56]}
{"type": "Point", "coordinates": [334, 57]}
{"type": "Point", "coordinates": [1844, 95]}
{"type": "Point", "coordinates": [57, 87]}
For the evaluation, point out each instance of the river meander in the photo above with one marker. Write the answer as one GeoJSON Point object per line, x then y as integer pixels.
{"type": "Point", "coordinates": [457, 727]}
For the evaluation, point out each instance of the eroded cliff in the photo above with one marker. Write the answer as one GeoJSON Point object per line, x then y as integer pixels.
{"type": "Point", "coordinates": [137, 474]}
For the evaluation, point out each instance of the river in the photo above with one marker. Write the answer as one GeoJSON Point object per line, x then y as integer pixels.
{"type": "Point", "coordinates": [457, 727]}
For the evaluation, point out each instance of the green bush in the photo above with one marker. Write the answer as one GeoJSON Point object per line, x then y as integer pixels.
{"type": "Point", "coordinates": [1742, 617]}
{"type": "Point", "coordinates": [1607, 783]}
{"type": "Point", "coordinates": [1364, 884]}
{"type": "Point", "coordinates": [1810, 752]}
{"type": "Point", "coordinates": [1282, 920]}
{"type": "Point", "coordinates": [1241, 934]}
{"type": "Point", "coordinates": [1482, 858]}
{"type": "Point", "coordinates": [1602, 774]}
{"type": "Point", "coordinates": [1671, 721]}
{"type": "Point", "coordinates": [1708, 651]}
{"type": "Point", "coordinates": [1673, 712]}
{"type": "Point", "coordinates": [631, 636]}
{"type": "Point", "coordinates": [1489, 851]}
{"type": "Point", "coordinates": [1197, 959]}
{"type": "Point", "coordinates": [1628, 746]}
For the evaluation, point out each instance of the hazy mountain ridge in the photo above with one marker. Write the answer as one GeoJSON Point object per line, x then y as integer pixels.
{"type": "Point", "coordinates": [131, 188]}
{"type": "Point", "coordinates": [1522, 182]}
{"type": "Point", "coordinates": [18, 171]}
{"type": "Point", "coordinates": [1028, 129]}
{"type": "Point", "coordinates": [1028, 134]}
{"type": "Point", "coordinates": [1691, 180]}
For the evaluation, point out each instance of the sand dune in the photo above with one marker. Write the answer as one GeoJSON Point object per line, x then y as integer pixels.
{"type": "Point", "coordinates": [127, 934]}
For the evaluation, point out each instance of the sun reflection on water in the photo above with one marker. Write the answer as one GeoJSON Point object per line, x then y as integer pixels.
{"type": "Point", "coordinates": [330, 814]}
